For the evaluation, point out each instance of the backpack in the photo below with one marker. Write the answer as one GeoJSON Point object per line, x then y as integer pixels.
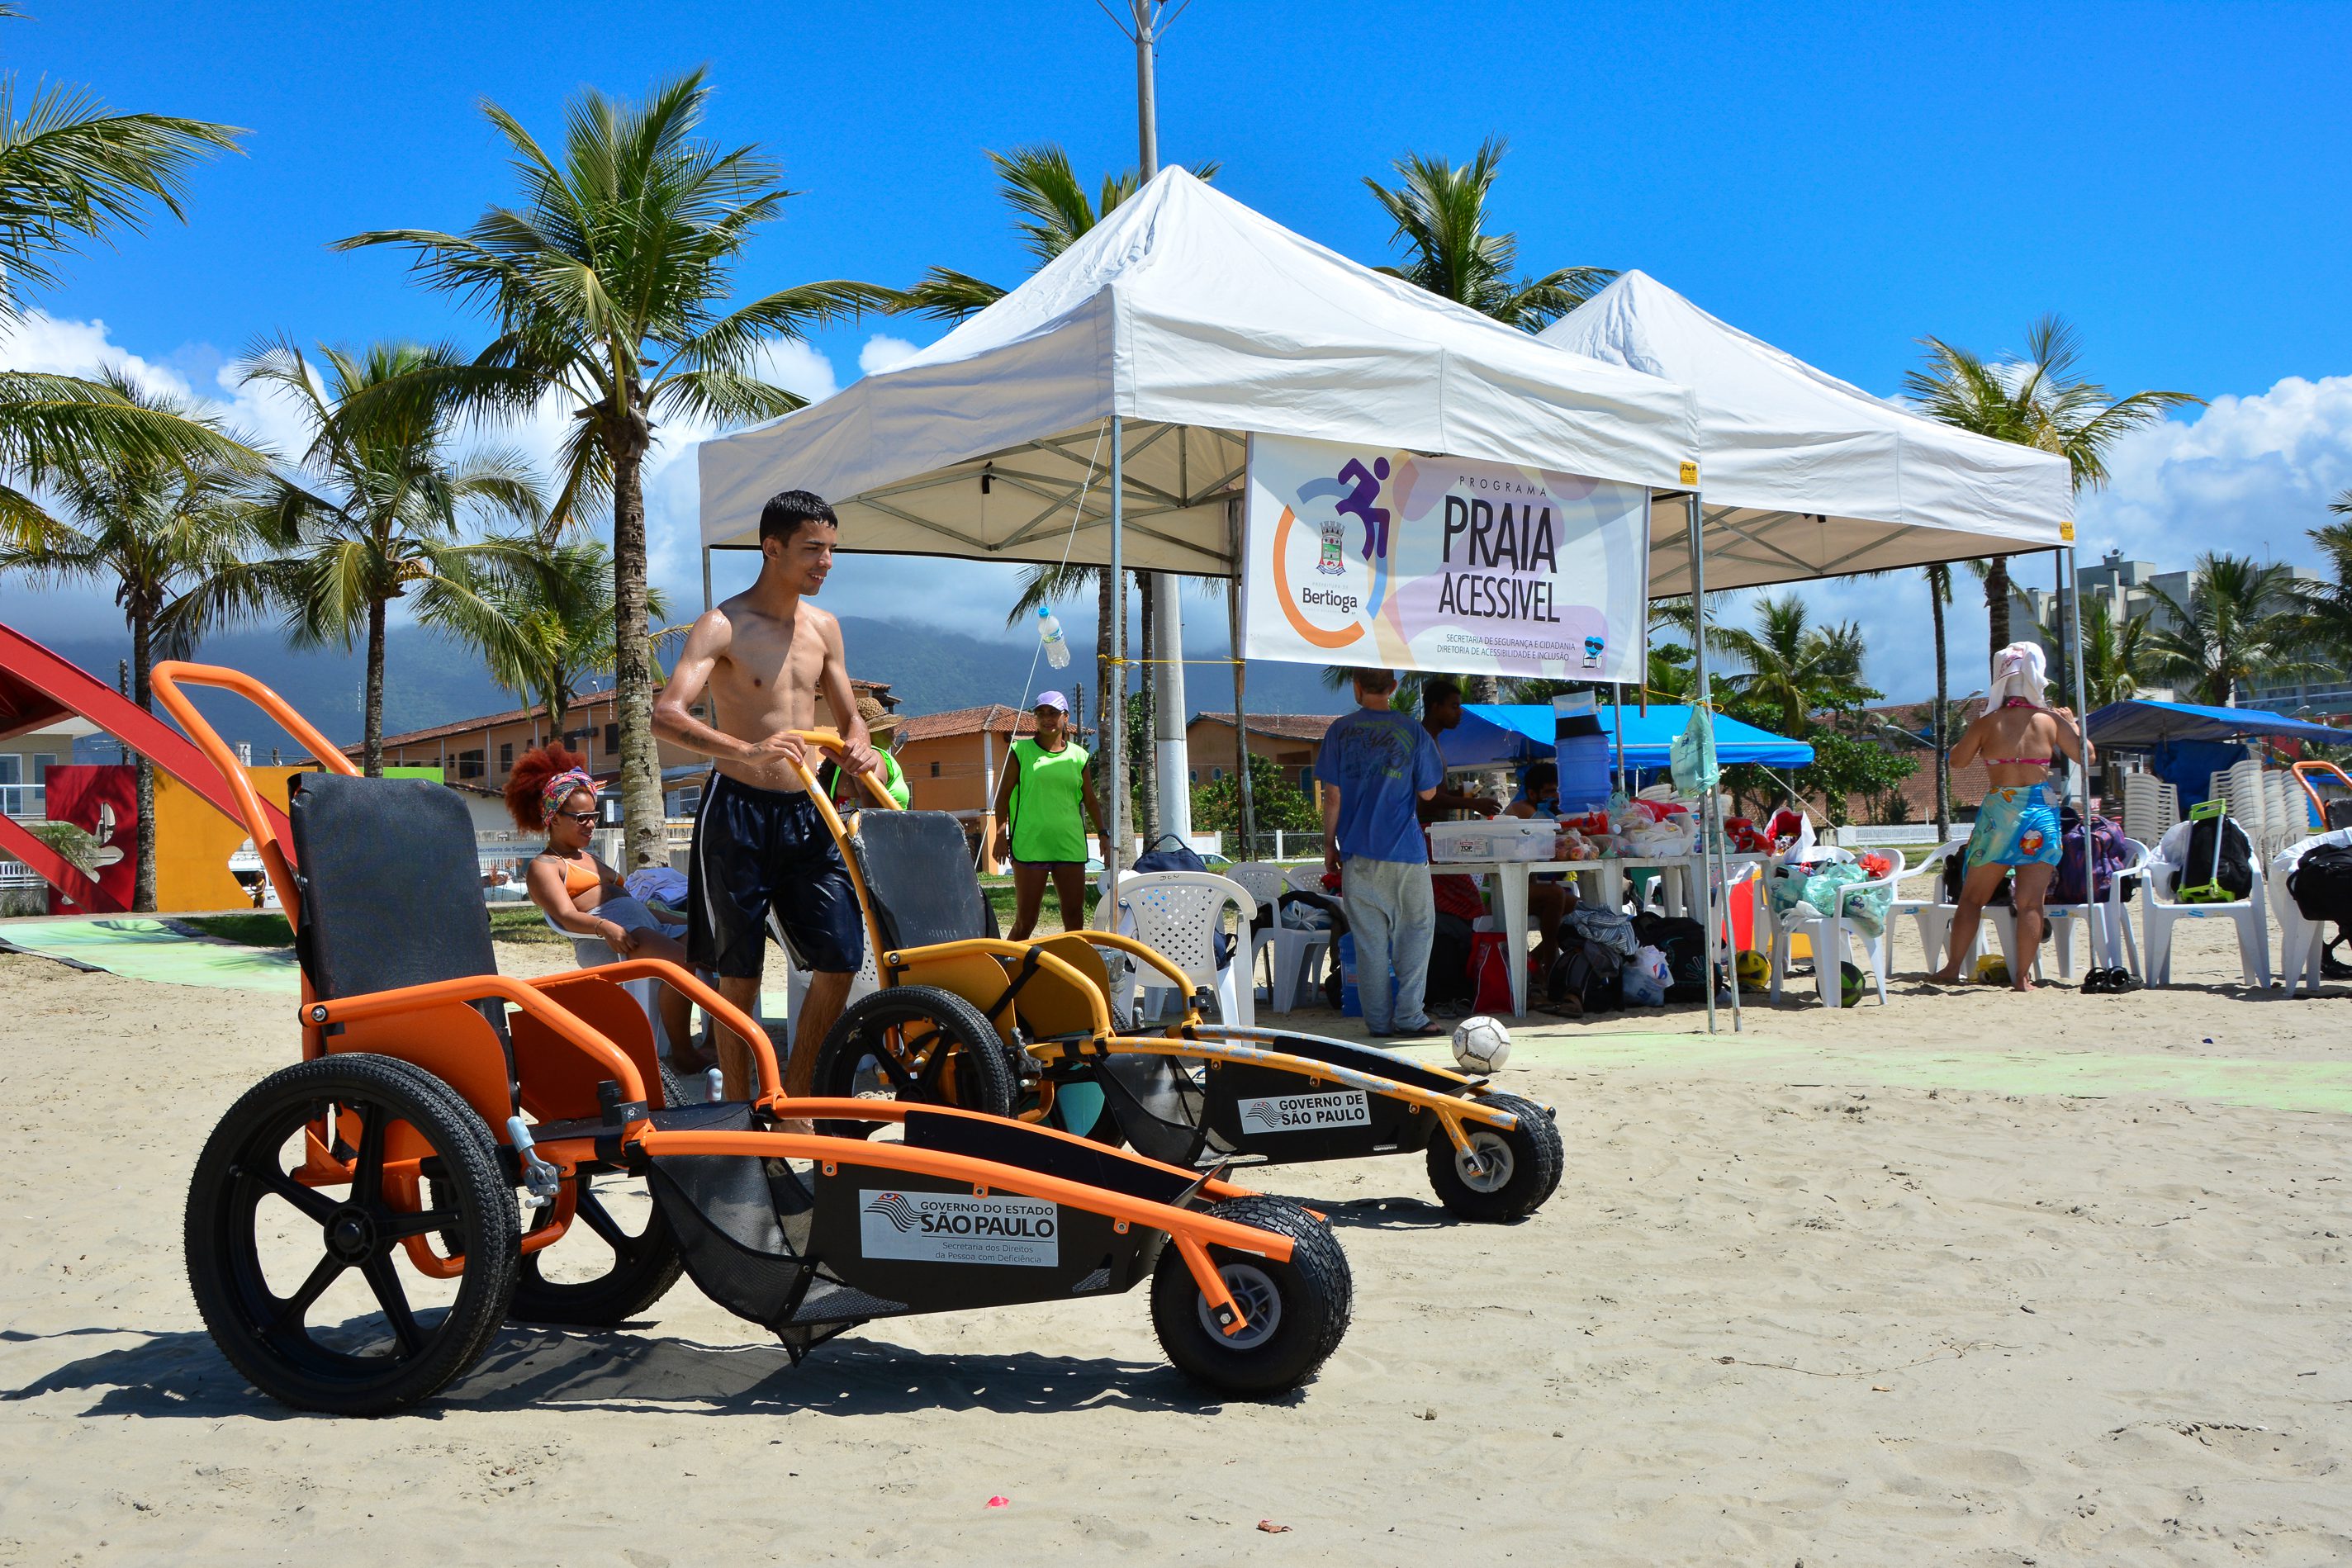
{"type": "Point", "coordinates": [2320, 883]}
{"type": "Point", "coordinates": [2109, 853]}
{"type": "Point", "coordinates": [2219, 867]}
{"type": "Point", "coordinates": [1584, 980]}
{"type": "Point", "coordinates": [1683, 942]}
{"type": "Point", "coordinates": [1955, 872]}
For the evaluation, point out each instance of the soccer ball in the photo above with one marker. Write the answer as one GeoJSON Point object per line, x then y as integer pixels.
{"type": "Point", "coordinates": [1481, 1044]}
{"type": "Point", "coordinates": [1854, 983]}
{"type": "Point", "coordinates": [1755, 971]}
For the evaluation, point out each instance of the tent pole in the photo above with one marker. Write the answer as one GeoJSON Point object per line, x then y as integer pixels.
{"type": "Point", "coordinates": [1112, 701]}
{"type": "Point", "coordinates": [1703, 694]}
{"type": "Point", "coordinates": [2070, 605]}
{"type": "Point", "coordinates": [1617, 719]}
{"type": "Point", "coordinates": [1247, 820]}
{"type": "Point", "coordinates": [705, 577]}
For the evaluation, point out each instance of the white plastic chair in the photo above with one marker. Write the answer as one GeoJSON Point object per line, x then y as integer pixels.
{"type": "Point", "coordinates": [1830, 934]}
{"type": "Point", "coordinates": [1178, 913]}
{"type": "Point", "coordinates": [2150, 806]}
{"type": "Point", "coordinates": [1295, 957]}
{"type": "Point", "coordinates": [2284, 811]}
{"type": "Point", "coordinates": [2159, 911]}
{"type": "Point", "coordinates": [2303, 944]}
{"type": "Point", "coordinates": [1932, 917]}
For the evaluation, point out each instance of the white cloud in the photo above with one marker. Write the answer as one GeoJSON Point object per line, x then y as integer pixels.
{"type": "Point", "coordinates": [798, 368]}
{"type": "Point", "coordinates": [884, 352]}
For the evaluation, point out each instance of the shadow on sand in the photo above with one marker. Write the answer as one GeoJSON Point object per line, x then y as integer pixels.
{"type": "Point", "coordinates": [530, 1367]}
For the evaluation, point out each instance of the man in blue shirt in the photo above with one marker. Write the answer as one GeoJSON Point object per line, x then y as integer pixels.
{"type": "Point", "coordinates": [1375, 764]}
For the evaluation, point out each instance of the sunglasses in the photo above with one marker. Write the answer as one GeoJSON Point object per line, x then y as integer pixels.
{"type": "Point", "coordinates": [582, 818]}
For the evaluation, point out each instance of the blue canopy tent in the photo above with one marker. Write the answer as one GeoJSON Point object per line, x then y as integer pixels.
{"type": "Point", "coordinates": [2188, 743]}
{"type": "Point", "coordinates": [1515, 733]}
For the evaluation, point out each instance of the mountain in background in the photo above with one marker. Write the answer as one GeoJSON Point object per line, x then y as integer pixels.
{"type": "Point", "coordinates": [430, 680]}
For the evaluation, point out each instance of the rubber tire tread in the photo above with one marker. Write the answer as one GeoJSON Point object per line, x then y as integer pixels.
{"type": "Point", "coordinates": [999, 1087]}
{"type": "Point", "coordinates": [1317, 1300]}
{"type": "Point", "coordinates": [1538, 1156]}
{"type": "Point", "coordinates": [473, 1160]}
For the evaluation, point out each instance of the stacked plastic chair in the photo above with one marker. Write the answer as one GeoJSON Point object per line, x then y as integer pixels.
{"type": "Point", "coordinates": [2150, 806]}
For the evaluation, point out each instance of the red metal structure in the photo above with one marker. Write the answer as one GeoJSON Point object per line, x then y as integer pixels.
{"type": "Point", "coordinates": [36, 689]}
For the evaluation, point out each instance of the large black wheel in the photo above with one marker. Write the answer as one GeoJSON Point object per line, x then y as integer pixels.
{"type": "Point", "coordinates": [303, 1288]}
{"type": "Point", "coordinates": [1512, 1173]}
{"type": "Point", "coordinates": [618, 1259]}
{"type": "Point", "coordinates": [1296, 1312]}
{"type": "Point", "coordinates": [919, 1043]}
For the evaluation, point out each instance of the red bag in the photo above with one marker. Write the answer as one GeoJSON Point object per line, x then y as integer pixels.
{"type": "Point", "coordinates": [1490, 971]}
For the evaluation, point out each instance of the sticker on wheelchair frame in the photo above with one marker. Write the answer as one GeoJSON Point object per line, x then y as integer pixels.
{"type": "Point", "coordinates": [1304, 1112]}
{"type": "Point", "coordinates": [951, 1228]}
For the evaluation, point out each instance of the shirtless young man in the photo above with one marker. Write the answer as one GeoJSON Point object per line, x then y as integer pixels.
{"type": "Point", "coordinates": [759, 840]}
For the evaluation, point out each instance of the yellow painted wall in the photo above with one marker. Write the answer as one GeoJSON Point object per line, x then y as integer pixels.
{"type": "Point", "coordinates": [193, 843]}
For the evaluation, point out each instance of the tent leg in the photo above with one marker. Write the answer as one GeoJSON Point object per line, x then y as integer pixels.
{"type": "Point", "coordinates": [1704, 696]}
{"type": "Point", "coordinates": [1247, 817]}
{"type": "Point", "coordinates": [1112, 701]}
{"type": "Point", "coordinates": [2070, 603]}
{"type": "Point", "coordinates": [705, 577]}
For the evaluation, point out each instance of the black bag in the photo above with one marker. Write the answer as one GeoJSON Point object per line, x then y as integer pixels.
{"type": "Point", "coordinates": [1955, 872]}
{"type": "Point", "coordinates": [1683, 942]}
{"type": "Point", "coordinates": [1583, 980]}
{"type": "Point", "coordinates": [2321, 885]}
{"type": "Point", "coordinates": [2219, 852]}
{"type": "Point", "coordinates": [1449, 961]}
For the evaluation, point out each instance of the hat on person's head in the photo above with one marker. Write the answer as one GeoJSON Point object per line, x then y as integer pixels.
{"type": "Point", "coordinates": [1054, 700]}
{"type": "Point", "coordinates": [879, 720]}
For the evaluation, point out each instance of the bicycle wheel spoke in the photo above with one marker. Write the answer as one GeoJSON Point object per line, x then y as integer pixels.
{"type": "Point", "coordinates": [291, 1310]}
{"type": "Point", "coordinates": [385, 1280]}
{"type": "Point", "coordinates": [367, 1168]}
{"type": "Point", "coordinates": [310, 1200]}
{"type": "Point", "coordinates": [599, 1219]}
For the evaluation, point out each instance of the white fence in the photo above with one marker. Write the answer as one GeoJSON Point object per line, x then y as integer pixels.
{"type": "Point", "coordinates": [1852, 837]}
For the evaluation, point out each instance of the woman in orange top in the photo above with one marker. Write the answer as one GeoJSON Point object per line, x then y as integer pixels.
{"type": "Point", "coordinates": [550, 793]}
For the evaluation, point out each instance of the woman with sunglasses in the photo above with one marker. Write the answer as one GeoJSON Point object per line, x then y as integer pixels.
{"type": "Point", "coordinates": [550, 793]}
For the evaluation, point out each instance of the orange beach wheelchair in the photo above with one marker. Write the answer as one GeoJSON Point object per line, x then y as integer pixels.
{"type": "Point", "coordinates": [1031, 1029]}
{"type": "Point", "coordinates": [353, 1234]}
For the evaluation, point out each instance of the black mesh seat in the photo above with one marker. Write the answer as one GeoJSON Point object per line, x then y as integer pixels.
{"type": "Point", "coordinates": [917, 866]}
{"type": "Point", "coordinates": [392, 891]}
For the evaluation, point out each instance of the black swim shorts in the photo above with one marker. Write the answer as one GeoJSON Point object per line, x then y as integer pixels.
{"type": "Point", "coordinates": [760, 849]}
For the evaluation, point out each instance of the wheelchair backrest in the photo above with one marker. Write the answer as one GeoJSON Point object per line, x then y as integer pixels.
{"type": "Point", "coordinates": [919, 881]}
{"type": "Point", "coordinates": [392, 890]}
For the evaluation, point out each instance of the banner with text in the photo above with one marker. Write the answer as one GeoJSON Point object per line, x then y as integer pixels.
{"type": "Point", "coordinates": [1359, 556]}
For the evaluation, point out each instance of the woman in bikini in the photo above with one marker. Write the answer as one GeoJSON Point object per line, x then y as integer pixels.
{"type": "Point", "coordinates": [2019, 736]}
{"type": "Point", "coordinates": [550, 793]}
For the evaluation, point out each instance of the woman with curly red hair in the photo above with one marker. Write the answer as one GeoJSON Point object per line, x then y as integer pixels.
{"type": "Point", "coordinates": [550, 793]}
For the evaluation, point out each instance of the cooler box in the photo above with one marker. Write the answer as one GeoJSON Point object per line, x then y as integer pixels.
{"type": "Point", "coordinates": [1497, 838]}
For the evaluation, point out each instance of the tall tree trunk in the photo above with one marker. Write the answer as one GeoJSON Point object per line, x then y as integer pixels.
{"type": "Point", "coordinates": [1997, 603]}
{"type": "Point", "coordinates": [1938, 584]}
{"type": "Point", "coordinates": [372, 701]}
{"type": "Point", "coordinates": [1147, 772]}
{"type": "Point", "coordinates": [143, 656]}
{"type": "Point", "coordinates": [645, 840]}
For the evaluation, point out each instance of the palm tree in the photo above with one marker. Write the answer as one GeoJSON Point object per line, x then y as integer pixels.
{"type": "Point", "coordinates": [1440, 212]}
{"type": "Point", "coordinates": [2323, 609]}
{"type": "Point", "coordinates": [70, 170]}
{"type": "Point", "coordinates": [561, 626]}
{"type": "Point", "coordinates": [2236, 626]}
{"type": "Point", "coordinates": [374, 512]}
{"type": "Point", "coordinates": [157, 529]}
{"type": "Point", "coordinates": [2038, 399]}
{"type": "Point", "coordinates": [606, 283]}
{"type": "Point", "coordinates": [1792, 665]}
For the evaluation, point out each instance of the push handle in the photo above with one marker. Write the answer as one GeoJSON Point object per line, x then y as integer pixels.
{"type": "Point", "coordinates": [830, 740]}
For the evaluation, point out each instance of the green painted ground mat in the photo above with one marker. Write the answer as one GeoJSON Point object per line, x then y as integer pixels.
{"type": "Point", "coordinates": [141, 947]}
{"type": "Point", "coordinates": [2324, 1086]}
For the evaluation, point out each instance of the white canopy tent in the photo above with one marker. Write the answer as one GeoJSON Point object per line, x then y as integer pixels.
{"type": "Point", "coordinates": [1805, 476]}
{"type": "Point", "coordinates": [1193, 321]}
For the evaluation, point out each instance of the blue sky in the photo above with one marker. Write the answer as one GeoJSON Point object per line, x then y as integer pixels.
{"type": "Point", "coordinates": [1836, 180]}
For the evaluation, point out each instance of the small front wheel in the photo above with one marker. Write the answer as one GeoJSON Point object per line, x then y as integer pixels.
{"type": "Point", "coordinates": [1505, 1175]}
{"type": "Point", "coordinates": [1294, 1312]}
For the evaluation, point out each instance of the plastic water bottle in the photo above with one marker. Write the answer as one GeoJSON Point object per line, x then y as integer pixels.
{"type": "Point", "coordinates": [1049, 633]}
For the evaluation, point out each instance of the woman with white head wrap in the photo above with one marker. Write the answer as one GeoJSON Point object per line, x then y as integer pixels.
{"type": "Point", "coordinates": [2017, 738]}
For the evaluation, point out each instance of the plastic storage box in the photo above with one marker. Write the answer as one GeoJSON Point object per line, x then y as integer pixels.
{"type": "Point", "coordinates": [1497, 838]}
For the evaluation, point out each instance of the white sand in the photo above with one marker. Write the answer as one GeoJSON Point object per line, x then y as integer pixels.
{"type": "Point", "coordinates": [1861, 1288]}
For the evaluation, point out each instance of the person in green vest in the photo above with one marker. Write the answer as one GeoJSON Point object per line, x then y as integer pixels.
{"type": "Point", "coordinates": [882, 730]}
{"type": "Point", "coordinates": [1038, 823]}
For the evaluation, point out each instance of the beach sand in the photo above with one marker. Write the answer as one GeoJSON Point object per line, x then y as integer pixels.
{"type": "Point", "coordinates": [1974, 1279]}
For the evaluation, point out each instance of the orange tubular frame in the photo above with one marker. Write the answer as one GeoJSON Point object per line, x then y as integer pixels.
{"type": "Point", "coordinates": [1193, 1232]}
